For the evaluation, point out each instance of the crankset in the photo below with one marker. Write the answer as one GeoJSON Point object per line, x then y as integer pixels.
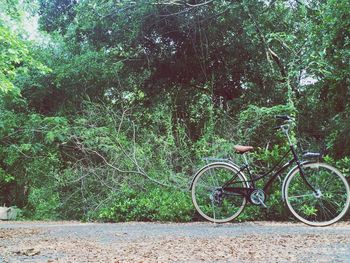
{"type": "Point", "coordinates": [257, 197]}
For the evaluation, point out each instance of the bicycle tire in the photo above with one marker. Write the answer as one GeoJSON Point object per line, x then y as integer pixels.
{"type": "Point", "coordinates": [205, 196]}
{"type": "Point", "coordinates": [324, 207]}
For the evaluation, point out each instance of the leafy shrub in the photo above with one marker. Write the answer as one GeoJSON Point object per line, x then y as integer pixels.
{"type": "Point", "coordinates": [256, 123]}
{"type": "Point", "coordinates": [45, 204]}
{"type": "Point", "coordinates": [155, 204]}
{"type": "Point", "coordinates": [343, 165]}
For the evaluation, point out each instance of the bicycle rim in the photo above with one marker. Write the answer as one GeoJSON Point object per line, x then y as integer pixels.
{"type": "Point", "coordinates": [324, 207]}
{"type": "Point", "coordinates": [210, 200]}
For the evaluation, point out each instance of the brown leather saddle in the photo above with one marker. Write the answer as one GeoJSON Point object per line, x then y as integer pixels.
{"type": "Point", "coordinates": [240, 149]}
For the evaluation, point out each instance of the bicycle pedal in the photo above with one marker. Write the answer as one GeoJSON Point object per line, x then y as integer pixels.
{"type": "Point", "coordinates": [262, 205]}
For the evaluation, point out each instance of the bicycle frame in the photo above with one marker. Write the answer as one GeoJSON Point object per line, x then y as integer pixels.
{"type": "Point", "coordinates": [246, 191]}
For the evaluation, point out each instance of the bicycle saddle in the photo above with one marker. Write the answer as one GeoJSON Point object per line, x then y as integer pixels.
{"type": "Point", "coordinates": [243, 149]}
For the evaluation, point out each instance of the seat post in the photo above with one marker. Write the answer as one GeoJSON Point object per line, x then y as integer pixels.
{"type": "Point", "coordinates": [245, 159]}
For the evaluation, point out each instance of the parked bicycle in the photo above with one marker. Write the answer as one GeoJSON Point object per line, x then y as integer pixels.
{"type": "Point", "coordinates": [316, 193]}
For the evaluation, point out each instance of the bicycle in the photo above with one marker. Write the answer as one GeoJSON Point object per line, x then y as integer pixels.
{"type": "Point", "coordinates": [316, 193]}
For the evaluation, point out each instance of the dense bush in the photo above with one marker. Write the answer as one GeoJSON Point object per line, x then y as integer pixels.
{"type": "Point", "coordinates": [154, 204]}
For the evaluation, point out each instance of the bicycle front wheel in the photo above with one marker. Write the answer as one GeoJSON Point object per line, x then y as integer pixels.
{"type": "Point", "coordinates": [209, 196]}
{"type": "Point", "coordinates": [324, 206]}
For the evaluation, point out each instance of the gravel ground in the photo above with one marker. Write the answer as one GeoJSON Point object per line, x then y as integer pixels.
{"type": "Point", "coordinates": [157, 242]}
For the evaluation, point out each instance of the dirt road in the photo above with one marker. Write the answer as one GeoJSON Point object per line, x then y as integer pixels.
{"type": "Point", "coordinates": [156, 242]}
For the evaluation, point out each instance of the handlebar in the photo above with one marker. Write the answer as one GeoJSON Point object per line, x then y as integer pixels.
{"type": "Point", "coordinates": [283, 117]}
{"type": "Point", "coordinates": [286, 120]}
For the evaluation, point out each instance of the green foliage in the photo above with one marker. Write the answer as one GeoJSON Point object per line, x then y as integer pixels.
{"type": "Point", "coordinates": [343, 165]}
{"type": "Point", "coordinates": [27, 157]}
{"type": "Point", "coordinates": [13, 52]}
{"type": "Point", "coordinates": [6, 178]}
{"type": "Point", "coordinates": [338, 138]}
{"type": "Point", "coordinates": [112, 112]}
{"type": "Point", "coordinates": [256, 123]}
{"type": "Point", "coordinates": [56, 15]}
{"type": "Point", "coordinates": [45, 204]}
{"type": "Point", "coordinates": [155, 204]}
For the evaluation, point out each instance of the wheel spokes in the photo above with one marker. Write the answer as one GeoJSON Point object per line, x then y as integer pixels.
{"type": "Point", "coordinates": [209, 198]}
{"type": "Point", "coordinates": [325, 206]}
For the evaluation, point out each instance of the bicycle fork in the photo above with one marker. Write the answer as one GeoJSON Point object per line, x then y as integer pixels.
{"type": "Point", "coordinates": [302, 172]}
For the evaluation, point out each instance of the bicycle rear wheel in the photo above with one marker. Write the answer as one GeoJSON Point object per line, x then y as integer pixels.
{"type": "Point", "coordinates": [210, 198]}
{"type": "Point", "coordinates": [324, 207]}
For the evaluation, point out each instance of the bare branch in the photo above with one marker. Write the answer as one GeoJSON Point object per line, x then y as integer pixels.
{"type": "Point", "coordinates": [198, 5]}
{"type": "Point", "coordinates": [139, 170]}
{"type": "Point", "coordinates": [184, 3]}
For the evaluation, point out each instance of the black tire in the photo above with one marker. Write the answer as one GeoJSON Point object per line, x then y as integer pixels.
{"type": "Point", "coordinates": [208, 198]}
{"type": "Point", "coordinates": [325, 207]}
